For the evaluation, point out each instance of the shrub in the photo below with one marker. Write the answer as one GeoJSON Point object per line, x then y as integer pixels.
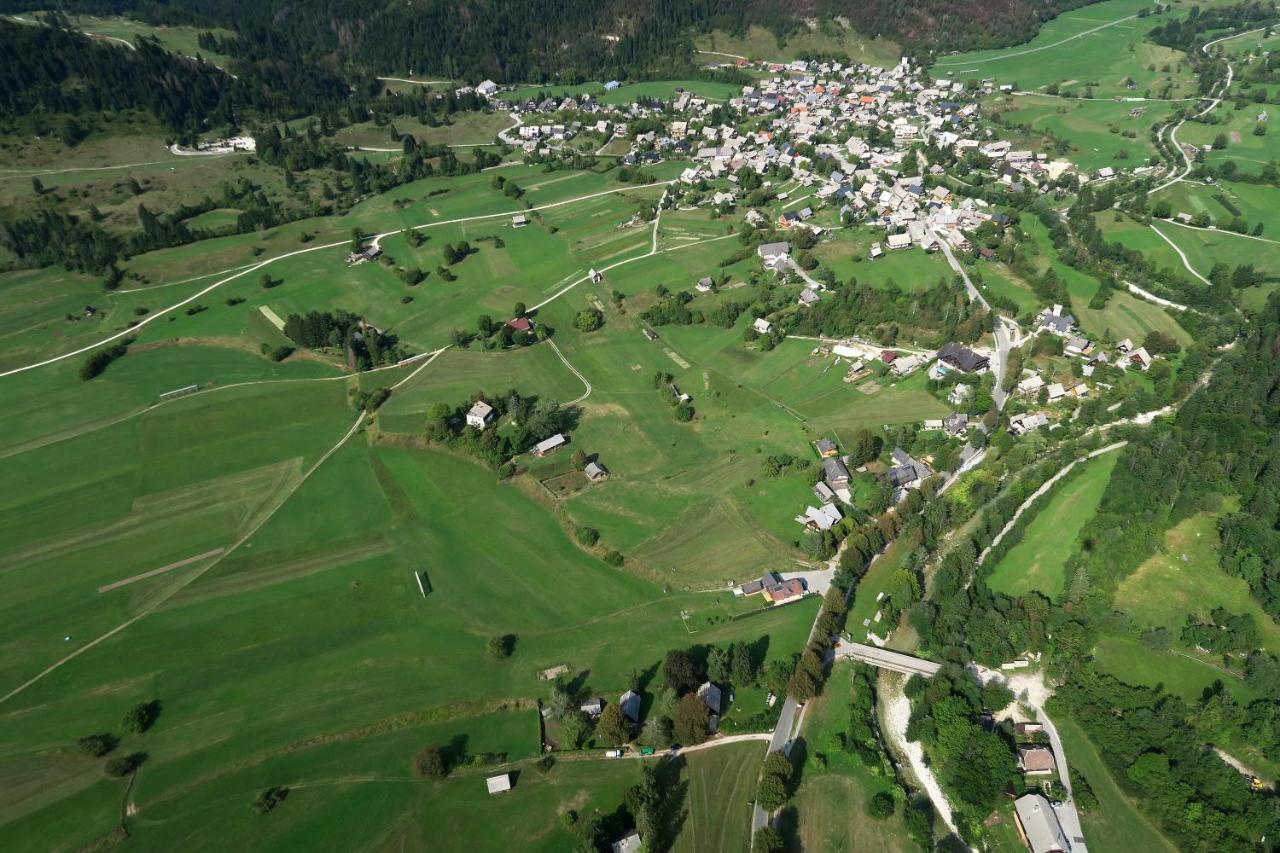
{"type": "Point", "coordinates": [97, 746]}
{"type": "Point", "coordinates": [500, 646]}
{"type": "Point", "coordinates": [140, 717]}
{"type": "Point", "coordinates": [881, 805]}
{"type": "Point", "coordinates": [269, 799]}
{"type": "Point", "coordinates": [429, 763]}
{"type": "Point", "coordinates": [123, 765]}
{"type": "Point", "coordinates": [587, 536]}
{"type": "Point", "coordinates": [613, 558]}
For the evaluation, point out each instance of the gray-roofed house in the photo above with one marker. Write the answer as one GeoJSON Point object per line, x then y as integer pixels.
{"type": "Point", "coordinates": [480, 415]}
{"type": "Point", "coordinates": [772, 251]}
{"type": "Point", "coordinates": [907, 471]}
{"type": "Point", "coordinates": [710, 696]}
{"type": "Point", "coordinates": [960, 357]}
{"type": "Point", "coordinates": [629, 843]}
{"type": "Point", "coordinates": [593, 707]}
{"type": "Point", "coordinates": [826, 448]}
{"type": "Point", "coordinates": [834, 473]}
{"type": "Point", "coordinates": [629, 704]}
{"type": "Point", "coordinates": [956, 423]}
{"type": "Point", "coordinates": [596, 472]}
{"type": "Point", "coordinates": [542, 448]}
{"type": "Point", "coordinates": [1039, 826]}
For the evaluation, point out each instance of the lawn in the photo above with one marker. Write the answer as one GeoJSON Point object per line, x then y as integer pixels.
{"type": "Point", "coordinates": [1248, 151]}
{"type": "Point", "coordinates": [467, 128]}
{"type": "Point", "coordinates": [831, 801]}
{"type": "Point", "coordinates": [909, 269]}
{"type": "Point", "coordinates": [997, 280]}
{"type": "Point", "coordinates": [1179, 674]}
{"type": "Point", "coordinates": [1038, 561]}
{"type": "Point", "coordinates": [1100, 46]}
{"type": "Point", "coordinates": [1185, 579]}
{"type": "Point", "coordinates": [721, 788]}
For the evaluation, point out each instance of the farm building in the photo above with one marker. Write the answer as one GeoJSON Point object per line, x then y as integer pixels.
{"type": "Point", "coordinates": [550, 445]}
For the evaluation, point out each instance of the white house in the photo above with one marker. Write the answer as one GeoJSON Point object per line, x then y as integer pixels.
{"type": "Point", "coordinates": [762, 326]}
{"type": "Point", "coordinates": [480, 415]}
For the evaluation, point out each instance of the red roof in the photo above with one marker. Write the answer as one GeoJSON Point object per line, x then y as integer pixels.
{"type": "Point", "coordinates": [888, 356]}
{"type": "Point", "coordinates": [520, 324]}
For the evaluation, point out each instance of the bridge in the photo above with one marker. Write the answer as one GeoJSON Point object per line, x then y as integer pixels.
{"type": "Point", "coordinates": [887, 659]}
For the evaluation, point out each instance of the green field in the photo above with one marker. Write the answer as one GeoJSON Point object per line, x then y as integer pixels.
{"type": "Point", "coordinates": [467, 128]}
{"type": "Point", "coordinates": [627, 93]}
{"type": "Point", "coordinates": [1125, 316]}
{"type": "Point", "coordinates": [1179, 673]}
{"type": "Point", "coordinates": [910, 269]}
{"type": "Point", "coordinates": [722, 787]}
{"type": "Point", "coordinates": [831, 800]}
{"type": "Point", "coordinates": [1185, 579]}
{"type": "Point", "coordinates": [1249, 152]}
{"type": "Point", "coordinates": [758, 43]}
{"type": "Point", "coordinates": [1099, 46]}
{"type": "Point", "coordinates": [1099, 133]}
{"type": "Point", "coordinates": [1037, 562]}
{"type": "Point", "coordinates": [182, 40]}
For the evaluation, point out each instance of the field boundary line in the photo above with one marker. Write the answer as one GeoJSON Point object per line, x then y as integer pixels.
{"type": "Point", "coordinates": [144, 575]}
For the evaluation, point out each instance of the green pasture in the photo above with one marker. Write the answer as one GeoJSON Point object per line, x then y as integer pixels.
{"type": "Point", "coordinates": [831, 801]}
{"type": "Point", "coordinates": [1250, 153]}
{"type": "Point", "coordinates": [1038, 561]}
{"type": "Point", "coordinates": [1255, 202]}
{"type": "Point", "coordinates": [468, 128]}
{"type": "Point", "coordinates": [721, 787]}
{"type": "Point", "coordinates": [1000, 281]}
{"type": "Point", "coordinates": [627, 93]}
{"type": "Point", "coordinates": [759, 43]}
{"type": "Point", "coordinates": [1125, 316]}
{"type": "Point", "coordinates": [910, 269]}
{"type": "Point", "coordinates": [1101, 45]}
{"type": "Point", "coordinates": [181, 40]}
{"type": "Point", "coordinates": [1184, 579]}
{"type": "Point", "coordinates": [1096, 131]}
{"type": "Point", "coordinates": [1179, 673]}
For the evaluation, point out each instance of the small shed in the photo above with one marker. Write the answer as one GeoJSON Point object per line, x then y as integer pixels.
{"type": "Point", "coordinates": [498, 784]}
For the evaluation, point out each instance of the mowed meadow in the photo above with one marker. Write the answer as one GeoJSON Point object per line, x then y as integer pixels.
{"type": "Point", "coordinates": [245, 554]}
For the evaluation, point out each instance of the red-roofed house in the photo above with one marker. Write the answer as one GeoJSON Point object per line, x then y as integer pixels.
{"type": "Point", "coordinates": [521, 324]}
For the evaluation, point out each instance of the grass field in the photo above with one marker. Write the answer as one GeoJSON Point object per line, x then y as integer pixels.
{"type": "Point", "coordinates": [1179, 673]}
{"type": "Point", "coordinates": [1249, 152]}
{"type": "Point", "coordinates": [1101, 46]}
{"type": "Point", "coordinates": [758, 43]}
{"type": "Point", "coordinates": [1098, 131]}
{"type": "Point", "coordinates": [910, 269]}
{"type": "Point", "coordinates": [627, 93]}
{"type": "Point", "coordinates": [468, 128]}
{"type": "Point", "coordinates": [181, 40]}
{"type": "Point", "coordinates": [1125, 316]}
{"type": "Point", "coordinates": [831, 801]}
{"type": "Point", "coordinates": [722, 786]}
{"type": "Point", "coordinates": [1185, 579]}
{"type": "Point", "coordinates": [102, 490]}
{"type": "Point", "coordinates": [1000, 281]}
{"type": "Point", "coordinates": [1037, 562]}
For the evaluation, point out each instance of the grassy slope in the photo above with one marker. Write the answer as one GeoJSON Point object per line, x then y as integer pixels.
{"type": "Point", "coordinates": [1037, 562]}
{"type": "Point", "coordinates": [832, 798]}
{"type": "Point", "coordinates": [721, 788]}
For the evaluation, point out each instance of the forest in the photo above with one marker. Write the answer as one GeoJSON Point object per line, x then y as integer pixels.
{"type": "Point", "coordinates": [543, 40]}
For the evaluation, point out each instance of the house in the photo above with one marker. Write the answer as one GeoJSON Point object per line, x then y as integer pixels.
{"type": "Point", "coordinates": [959, 394]}
{"type": "Point", "coordinates": [596, 472]}
{"type": "Point", "coordinates": [762, 326]}
{"type": "Point", "coordinates": [826, 448]}
{"type": "Point", "coordinates": [1031, 385]}
{"type": "Point", "coordinates": [1023, 424]}
{"type": "Point", "coordinates": [898, 241]}
{"type": "Point", "coordinates": [771, 252]}
{"type": "Point", "coordinates": [888, 356]}
{"type": "Point", "coordinates": [710, 696]}
{"type": "Point", "coordinates": [1140, 358]}
{"type": "Point", "coordinates": [480, 415]}
{"type": "Point", "coordinates": [1124, 346]}
{"type": "Point", "coordinates": [595, 276]}
{"type": "Point", "coordinates": [1053, 320]}
{"type": "Point", "coordinates": [487, 88]}
{"type": "Point", "coordinates": [834, 473]}
{"type": "Point", "coordinates": [1077, 345]}
{"type": "Point", "coordinates": [808, 297]}
{"type": "Point", "coordinates": [876, 251]}
{"type": "Point", "coordinates": [520, 324]}
{"type": "Point", "coordinates": [629, 843]}
{"type": "Point", "coordinates": [908, 471]}
{"type": "Point", "coordinates": [818, 519]}
{"type": "Point", "coordinates": [629, 704]}
{"type": "Point", "coordinates": [519, 220]}
{"type": "Point", "coordinates": [956, 423]}
{"type": "Point", "coordinates": [542, 448]}
{"type": "Point", "coordinates": [823, 492]}
{"type": "Point", "coordinates": [1056, 392]}
{"type": "Point", "coordinates": [593, 707]}
{"type": "Point", "coordinates": [704, 285]}
{"type": "Point", "coordinates": [1027, 729]}
{"type": "Point", "coordinates": [960, 357]}
{"type": "Point", "coordinates": [785, 592]}
{"type": "Point", "coordinates": [1039, 826]}
{"type": "Point", "coordinates": [498, 784]}
{"type": "Point", "coordinates": [1036, 760]}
